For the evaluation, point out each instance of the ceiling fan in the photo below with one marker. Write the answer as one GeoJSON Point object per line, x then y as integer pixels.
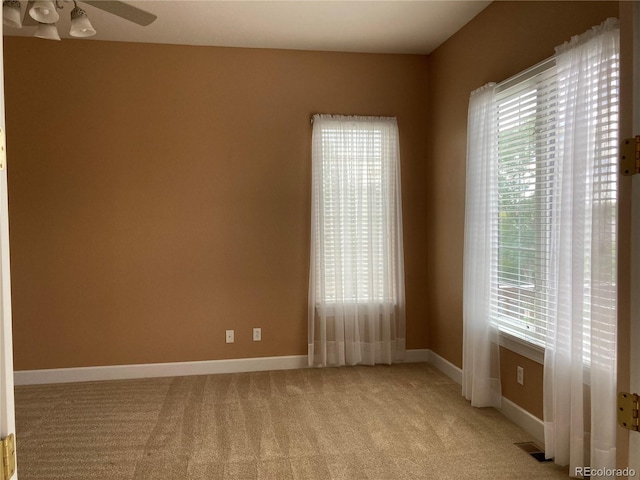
{"type": "Point", "coordinates": [44, 15]}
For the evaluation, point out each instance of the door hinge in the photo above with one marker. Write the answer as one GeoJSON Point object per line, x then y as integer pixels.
{"type": "Point", "coordinates": [630, 156]}
{"type": "Point", "coordinates": [8, 457]}
{"type": "Point", "coordinates": [628, 410]}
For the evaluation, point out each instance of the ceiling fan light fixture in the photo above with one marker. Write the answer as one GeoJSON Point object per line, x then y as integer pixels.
{"type": "Point", "coordinates": [48, 31]}
{"type": "Point", "coordinates": [80, 24]}
{"type": "Point", "coordinates": [11, 13]}
{"type": "Point", "coordinates": [44, 12]}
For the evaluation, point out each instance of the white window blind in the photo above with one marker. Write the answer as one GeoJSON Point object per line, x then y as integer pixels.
{"type": "Point", "coordinates": [527, 147]}
{"type": "Point", "coordinates": [529, 133]}
{"type": "Point", "coordinates": [354, 169]}
{"type": "Point", "coordinates": [358, 211]}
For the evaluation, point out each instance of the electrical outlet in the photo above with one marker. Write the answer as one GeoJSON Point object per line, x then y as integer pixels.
{"type": "Point", "coordinates": [520, 375]}
{"type": "Point", "coordinates": [257, 334]}
{"type": "Point", "coordinates": [229, 336]}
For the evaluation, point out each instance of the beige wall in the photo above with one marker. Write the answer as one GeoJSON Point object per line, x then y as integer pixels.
{"type": "Point", "coordinates": [528, 395]}
{"type": "Point", "coordinates": [160, 194]}
{"type": "Point", "coordinates": [502, 40]}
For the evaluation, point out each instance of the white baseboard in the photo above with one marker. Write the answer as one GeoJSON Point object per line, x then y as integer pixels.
{"type": "Point", "coordinates": [177, 369]}
{"type": "Point", "coordinates": [417, 355]}
{"type": "Point", "coordinates": [149, 370]}
{"type": "Point", "coordinates": [525, 420]}
{"type": "Point", "coordinates": [518, 415]}
{"type": "Point", "coordinates": [446, 367]}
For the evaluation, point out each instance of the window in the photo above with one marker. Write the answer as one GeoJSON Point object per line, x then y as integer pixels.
{"type": "Point", "coordinates": [356, 280]}
{"type": "Point", "coordinates": [357, 211]}
{"type": "Point", "coordinates": [529, 136]}
{"type": "Point", "coordinates": [527, 146]}
{"type": "Point", "coordinates": [541, 240]}
{"type": "Point", "coordinates": [358, 151]}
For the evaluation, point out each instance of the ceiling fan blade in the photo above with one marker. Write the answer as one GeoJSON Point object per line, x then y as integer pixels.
{"type": "Point", "coordinates": [124, 10]}
{"type": "Point", "coordinates": [27, 21]}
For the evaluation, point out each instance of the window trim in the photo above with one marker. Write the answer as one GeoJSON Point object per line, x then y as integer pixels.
{"type": "Point", "coordinates": [521, 347]}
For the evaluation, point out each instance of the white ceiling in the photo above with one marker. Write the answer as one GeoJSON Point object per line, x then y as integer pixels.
{"type": "Point", "coordinates": [351, 26]}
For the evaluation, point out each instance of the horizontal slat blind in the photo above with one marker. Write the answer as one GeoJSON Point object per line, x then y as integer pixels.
{"type": "Point", "coordinates": [530, 129]}
{"type": "Point", "coordinates": [524, 299]}
{"type": "Point", "coordinates": [358, 210]}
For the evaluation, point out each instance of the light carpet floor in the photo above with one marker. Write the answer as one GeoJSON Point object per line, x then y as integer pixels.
{"type": "Point", "coordinates": [385, 422]}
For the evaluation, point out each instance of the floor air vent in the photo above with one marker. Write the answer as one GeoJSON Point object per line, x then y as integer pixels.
{"type": "Point", "coordinates": [533, 450]}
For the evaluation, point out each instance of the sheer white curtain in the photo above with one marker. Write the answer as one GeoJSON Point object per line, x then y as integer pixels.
{"type": "Point", "coordinates": [480, 354]}
{"type": "Point", "coordinates": [580, 353]}
{"type": "Point", "coordinates": [356, 284]}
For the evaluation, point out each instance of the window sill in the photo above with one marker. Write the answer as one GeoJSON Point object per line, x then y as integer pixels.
{"type": "Point", "coordinates": [522, 347]}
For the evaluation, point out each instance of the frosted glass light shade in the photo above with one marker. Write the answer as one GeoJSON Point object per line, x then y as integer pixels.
{"type": "Point", "coordinates": [80, 24]}
{"type": "Point", "coordinates": [44, 12]}
{"type": "Point", "coordinates": [47, 31]}
{"type": "Point", "coordinates": [11, 13]}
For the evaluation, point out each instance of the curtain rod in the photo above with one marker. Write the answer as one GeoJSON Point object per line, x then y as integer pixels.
{"type": "Point", "coordinates": [528, 73]}
{"type": "Point", "coordinates": [353, 117]}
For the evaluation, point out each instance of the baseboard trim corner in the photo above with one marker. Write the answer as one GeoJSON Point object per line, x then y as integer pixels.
{"type": "Point", "coordinates": [514, 412]}
{"type": "Point", "coordinates": [445, 366]}
{"type": "Point", "coordinates": [417, 355]}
